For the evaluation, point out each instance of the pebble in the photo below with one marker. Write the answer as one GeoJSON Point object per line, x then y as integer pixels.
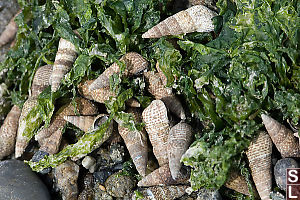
{"type": "Point", "coordinates": [280, 171]}
{"type": "Point", "coordinates": [102, 175]}
{"type": "Point", "coordinates": [39, 155]}
{"type": "Point", "coordinates": [18, 182]}
{"type": "Point", "coordinates": [204, 194]}
{"type": "Point", "coordinates": [99, 194]}
{"type": "Point", "coordinates": [118, 185]}
{"type": "Point", "coordinates": [89, 163]}
{"type": "Point", "coordinates": [117, 153]}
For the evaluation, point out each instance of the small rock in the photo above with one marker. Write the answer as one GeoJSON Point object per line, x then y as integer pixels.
{"type": "Point", "coordinates": [39, 155]}
{"type": "Point", "coordinates": [102, 175]}
{"type": "Point", "coordinates": [117, 153]}
{"type": "Point", "coordinates": [277, 196]}
{"type": "Point", "coordinates": [118, 185]}
{"type": "Point", "coordinates": [18, 182]}
{"type": "Point", "coordinates": [280, 171]}
{"type": "Point", "coordinates": [89, 163]}
{"type": "Point", "coordinates": [204, 194]}
{"type": "Point", "coordinates": [99, 194]}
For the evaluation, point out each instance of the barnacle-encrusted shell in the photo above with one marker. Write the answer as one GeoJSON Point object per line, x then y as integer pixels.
{"type": "Point", "coordinates": [157, 126]}
{"type": "Point", "coordinates": [259, 156]}
{"type": "Point", "coordinates": [66, 175]}
{"type": "Point", "coordinates": [282, 137]}
{"type": "Point", "coordinates": [160, 91]}
{"type": "Point", "coordinates": [9, 32]}
{"type": "Point", "coordinates": [163, 192]}
{"type": "Point", "coordinates": [180, 137]}
{"type": "Point", "coordinates": [237, 182]}
{"type": "Point", "coordinates": [197, 18]}
{"type": "Point", "coordinates": [22, 140]}
{"type": "Point", "coordinates": [162, 176]}
{"type": "Point", "coordinates": [64, 59]}
{"type": "Point", "coordinates": [100, 95]}
{"type": "Point", "coordinates": [136, 143]}
{"type": "Point", "coordinates": [8, 132]}
{"type": "Point", "coordinates": [41, 80]}
{"type": "Point", "coordinates": [135, 64]}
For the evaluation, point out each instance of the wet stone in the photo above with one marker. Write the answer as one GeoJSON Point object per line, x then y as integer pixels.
{"type": "Point", "coordinates": [204, 194]}
{"type": "Point", "coordinates": [99, 194]}
{"type": "Point", "coordinates": [18, 182]}
{"type": "Point", "coordinates": [102, 175]}
{"type": "Point", "coordinates": [280, 171]}
{"type": "Point", "coordinates": [117, 153]}
{"type": "Point", "coordinates": [39, 155]}
{"type": "Point", "coordinates": [118, 185]}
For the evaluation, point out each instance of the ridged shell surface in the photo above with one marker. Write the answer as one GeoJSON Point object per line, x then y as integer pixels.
{"type": "Point", "coordinates": [162, 176]}
{"type": "Point", "coordinates": [8, 132]}
{"type": "Point", "coordinates": [259, 156]}
{"type": "Point", "coordinates": [85, 123]}
{"type": "Point", "coordinates": [64, 59]}
{"type": "Point", "coordinates": [136, 142]}
{"type": "Point", "coordinates": [41, 79]}
{"type": "Point", "coordinates": [211, 4]}
{"type": "Point", "coordinates": [134, 62]}
{"type": "Point", "coordinates": [283, 138]}
{"type": "Point", "coordinates": [66, 175]}
{"type": "Point", "coordinates": [157, 126]}
{"type": "Point", "coordinates": [51, 144]}
{"type": "Point", "coordinates": [164, 192]}
{"type": "Point", "coordinates": [9, 32]}
{"type": "Point", "coordinates": [238, 183]}
{"type": "Point", "coordinates": [195, 19]}
{"type": "Point", "coordinates": [180, 138]}
{"type": "Point", "coordinates": [22, 141]}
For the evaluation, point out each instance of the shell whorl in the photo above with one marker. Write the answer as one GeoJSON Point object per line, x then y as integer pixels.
{"type": "Point", "coordinates": [157, 126]}
{"type": "Point", "coordinates": [164, 192]}
{"type": "Point", "coordinates": [162, 176]}
{"type": "Point", "coordinates": [64, 59]}
{"type": "Point", "coordinates": [238, 183]}
{"type": "Point", "coordinates": [8, 132]}
{"type": "Point", "coordinates": [136, 143]}
{"type": "Point", "coordinates": [180, 137]}
{"type": "Point", "coordinates": [41, 79]}
{"type": "Point", "coordinates": [259, 156]}
{"type": "Point", "coordinates": [134, 62]}
{"type": "Point", "coordinates": [282, 137]}
{"type": "Point", "coordinates": [10, 31]}
{"type": "Point", "coordinates": [196, 18]}
{"type": "Point", "coordinates": [85, 123]}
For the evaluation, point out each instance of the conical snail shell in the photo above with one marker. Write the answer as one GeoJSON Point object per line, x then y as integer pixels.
{"type": "Point", "coordinates": [41, 80]}
{"type": "Point", "coordinates": [132, 102]}
{"type": "Point", "coordinates": [195, 19]}
{"type": "Point", "coordinates": [64, 59]}
{"type": "Point", "coordinates": [51, 144]}
{"type": "Point", "coordinates": [135, 64]}
{"type": "Point", "coordinates": [136, 143]}
{"type": "Point", "coordinates": [259, 156]}
{"type": "Point", "coordinates": [157, 126]}
{"type": "Point", "coordinates": [22, 141]}
{"type": "Point", "coordinates": [98, 95]}
{"type": "Point", "coordinates": [211, 4]}
{"type": "Point", "coordinates": [238, 183]}
{"type": "Point", "coordinates": [10, 31]}
{"type": "Point", "coordinates": [282, 137]}
{"type": "Point", "coordinates": [180, 137]}
{"type": "Point", "coordinates": [162, 176]}
{"type": "Point", "coordinates": [8, 132]}
{"type": "Point", "coordinates": [164, 192]}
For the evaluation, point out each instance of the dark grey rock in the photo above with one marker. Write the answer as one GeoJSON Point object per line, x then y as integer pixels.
{"type": "Point", "coordinates": [39, 155]}
{"type": "Point", "coordinates": [280, 171]}
{"type": "Point", "coordinates": [18, 182]}
{"type": "Point", "coordinates": [204, 194]}
{"type": "Point", "coordinates": [119, 185]}
{"type": "Point", "coordinates": [102, 175]}
{"type": "Point", "coordinates": [277, 196]}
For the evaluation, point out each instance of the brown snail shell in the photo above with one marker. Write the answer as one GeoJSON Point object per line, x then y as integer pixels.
{"type": "Point", "coordinates": [211, 4]}
{"type": "Point", "coordinates": [180, 137]}
{"type": "Point", "coordinates": [135, 64]}
{"type": "Point", "coordinates": [98, 95]}
{"type": "Point", "coordinates": [41, 79]}
{"type": "Point", "coordinates": [8, 132]}
{"type": "Point", "coordinates": [44, 136]}
{"type": "Point", "coordinates": [238, 183]}
{"type": "Point", "coordinates": [51, 144]}
{"type": "Point", "coordinates": [157, 126]}
{"type": "Point", "coordinates": [164, 192]}
{"type": "Point", "coordinates": [282, 137]}
{"type": "Point", "coordinates": [64, 59]}
{"type": "Point", "coordinates": [10, 31]}
{"type": "Point", "coordinates": [162, 176]}
{"type": "Point", "coordinates": [66, 175]}
{"type": "Point", "coordinates": [195, 19]}
{"type": "Point", "coordinates": [22, 141]}
{"type": "Point", "coordinates": [132, 102]}
{"type": "Point", "coordinates": [136, 143]}
{"type": "Point", "coordinates": [259, 156]}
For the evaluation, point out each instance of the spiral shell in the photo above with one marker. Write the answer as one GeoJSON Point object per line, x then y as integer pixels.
{"type": "Point", "coordinates": [162, 176]}
{"type": "Point", "coordinates": [10, 31]}
{"type": "Point", "coordinates": [133, 103]}
{"type": "Point", "coordinates": [99, 95]}
{"type": "Point", "coordinates": [41, 79]}
{"type": "Point", "coordinates": [64, 59]}
{"type": "Point", "coordinates": [238, 183]}
{"type": "Point", "coordinates": [136, 143]}
{"type": "Point", "coordinates": [180, 137]}
{"type": "Point", "coordinates": [157, 126]}
{"type": "Point", "coordinates": [195, 19]}
{"type": "Point", "coordinates": [66, 175]}
{"type": "Point", "coordinates": [134, 62]}
{"type": "Point", "coordinates": [163, 192]}
{"type": "Point", "coordinates": [259, 156]}
{"type": "Point", "coordinates": [8, 132]}
{"type": "Point", "coordinates": [211, 4]}
{"type": "Point", "coordinates": [282, 137]}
